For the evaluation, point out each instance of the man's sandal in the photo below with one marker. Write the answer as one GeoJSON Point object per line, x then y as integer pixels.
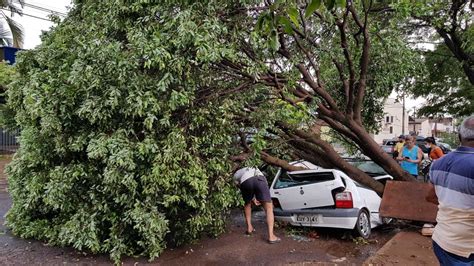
{"type": "Point", "coordinates": [278, 240]}
{"type": "Point", "coordinates": [249, 233]}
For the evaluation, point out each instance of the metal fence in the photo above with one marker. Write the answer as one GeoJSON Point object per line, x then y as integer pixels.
{"type": "Point", "coordinates": [9, 140]}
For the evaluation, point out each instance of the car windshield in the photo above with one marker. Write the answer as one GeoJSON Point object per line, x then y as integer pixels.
{"type": "Point", "coordinates": [302, 178]}
{"type": "Point", "coordinates": [369, 167]}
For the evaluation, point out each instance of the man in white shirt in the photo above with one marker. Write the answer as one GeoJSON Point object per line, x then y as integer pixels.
{"type": "Point", "coordinates": [254, 188]}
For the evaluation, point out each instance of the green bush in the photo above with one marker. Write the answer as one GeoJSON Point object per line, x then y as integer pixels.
{"type": "Point", "coordinates": [452, 139]}
{"type": "Point", "coordinates": [119, 152]}
{"type": "Point", "coordinates": [7, 75]}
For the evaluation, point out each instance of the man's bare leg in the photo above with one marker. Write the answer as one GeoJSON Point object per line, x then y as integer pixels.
{"type": "Point", "coordinates": [248, 216]}
{"type": "Point", "coordinates": [268, 206]}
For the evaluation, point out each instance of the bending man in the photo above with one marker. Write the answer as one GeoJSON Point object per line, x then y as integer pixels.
{"type": "Point", "coordinates": [254, 188]}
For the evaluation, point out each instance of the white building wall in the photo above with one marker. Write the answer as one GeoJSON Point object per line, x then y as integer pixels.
{"type": "Point", "coordinates": [442, 127]}
{"type": "Point", "coordinates": [391, 125]}
{"type": "Point", "coordinates": [425, 129]}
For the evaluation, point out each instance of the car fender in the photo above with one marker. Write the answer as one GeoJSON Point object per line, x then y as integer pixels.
{"type": "Point", "coordinates": [364, 198]}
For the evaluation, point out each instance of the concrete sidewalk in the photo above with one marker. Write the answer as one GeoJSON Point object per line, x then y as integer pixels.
{"type": "Point", "coordinates": [405, 248]}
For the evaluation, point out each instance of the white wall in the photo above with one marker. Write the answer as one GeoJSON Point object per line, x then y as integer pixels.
{"type": "Point", "coordinates": [442, 127]}
{"type": "Point", "coordinates": [425, 129]}
{"type": "Point", "coordinates": [393, 127]}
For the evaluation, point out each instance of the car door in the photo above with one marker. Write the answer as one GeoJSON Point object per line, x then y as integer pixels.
{"type": "Point", "coordinates": [306, 188]}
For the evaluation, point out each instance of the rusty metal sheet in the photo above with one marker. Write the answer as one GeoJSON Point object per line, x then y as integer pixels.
{"type": "Point", "coordinates": [407, 200]}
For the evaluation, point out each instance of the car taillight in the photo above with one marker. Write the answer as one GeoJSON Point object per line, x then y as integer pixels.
{"type": "Point", "coordinates": [344, 200]}
{"type": "Point", "coordinates": [276, 203]}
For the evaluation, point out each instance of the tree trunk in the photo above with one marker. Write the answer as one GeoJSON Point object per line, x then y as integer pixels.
{"type": "Point", "coordinates": [375, 152]}
{"type": "Point", "coordinates": [330, 155]}
{"type": "Point", "coordinates": [278, 162]}
{"type": "Point", "coordinates": [353, 172]}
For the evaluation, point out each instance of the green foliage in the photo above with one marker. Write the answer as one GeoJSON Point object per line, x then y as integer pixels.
{"type": "Point", "coordinates": [7, 73]}
{"type": "Point", "coordinates": [392, 60]}
{"type": "Point", "coordinates": [313, 6]}
{"type": "Point", "coordinates": [7, 76]}
{"type": "Point", "coordinates": [445, 86]}
{"type": "Point", "coordinates": [121, 150]}
{"type": "Point", "coordinates": [452, 139]}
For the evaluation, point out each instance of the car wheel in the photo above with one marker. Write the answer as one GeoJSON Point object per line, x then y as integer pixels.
{"type": "Point", "coordinates": [362, 226]}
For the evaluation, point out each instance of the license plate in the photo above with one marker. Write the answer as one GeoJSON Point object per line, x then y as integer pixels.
{"type": "Point", "coordinates": [307, 218]}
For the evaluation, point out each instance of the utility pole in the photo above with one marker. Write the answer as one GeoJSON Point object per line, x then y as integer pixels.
{"type": "Point", "coordinates": [414, 120]}
{"type": "Point", "coordinates": [403, 114]}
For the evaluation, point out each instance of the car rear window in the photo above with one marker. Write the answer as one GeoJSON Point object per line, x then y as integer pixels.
{"type": "Point", "coordinates": [296, 179]}
{"type": "Point", "coordinates": [369, 167]}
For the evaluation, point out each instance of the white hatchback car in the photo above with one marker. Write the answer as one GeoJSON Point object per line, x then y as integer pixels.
{"type": "Point", "coordinates": [328, 197]}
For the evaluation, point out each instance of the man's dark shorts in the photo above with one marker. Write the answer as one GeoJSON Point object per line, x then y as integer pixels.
{"type": "Point", "coordinates": [257, 187]}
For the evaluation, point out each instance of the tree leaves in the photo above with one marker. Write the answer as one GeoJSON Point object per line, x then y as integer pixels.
{"type": "Point", "coordinates": [313, 6]}
{"type": "Point", "coordinates": [286, 24]}
{"type": "Point", "coordinates": [118, 136]}
{"type": "Point", "coordinates": [330, 4]}
{"type": "Point", "coordinates": [294, 14]}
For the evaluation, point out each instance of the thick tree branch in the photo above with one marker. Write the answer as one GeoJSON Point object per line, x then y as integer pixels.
{"type": "Point", "coordinates": [451, 38]}
{"type": "Point", "coordinates": [364, 65]}
{"type": "Point", "coordinates": [347, 91]}
{"type": "Point", "coordinates": [308, 54]}
{"type": "Point", "coordinates": [455, 46]}
{"type": "Point", "coordinates": [339, 127]}
{"type": "Point", "coordinates": [342, 25]}
{"type": "Point", "coordinates": [317, 89]}
{"type": "Point", "coordinates": [332, 155]}
{"type": "Point", "coordinates": [279, 162]}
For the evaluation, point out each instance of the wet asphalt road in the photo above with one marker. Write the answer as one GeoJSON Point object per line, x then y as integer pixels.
{"type": "Point", "coordinates": [231, 248]}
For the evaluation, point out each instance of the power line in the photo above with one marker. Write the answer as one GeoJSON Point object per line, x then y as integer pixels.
{"type": "Point", "coordinates": [28, 15]}
{"type": "Point", "coordinates": [42, 4]}
{"type": "Point", "coordinates": [45, 9]}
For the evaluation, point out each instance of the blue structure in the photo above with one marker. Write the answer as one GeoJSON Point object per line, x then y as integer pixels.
{"type": "Point", "coordinates": [8, 54]}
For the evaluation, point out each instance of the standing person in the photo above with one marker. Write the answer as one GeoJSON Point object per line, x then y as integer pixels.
{"type": "Point", "coordinates": [410, 156]}
{"type": "Point", "coordinates": [435, 151]}
{"type": "Point", "coordinates": [399, 146]}
{"type": "Point", "coordinates": [254, 188]}
{"type": "Point", "coordinates": [452, 179]}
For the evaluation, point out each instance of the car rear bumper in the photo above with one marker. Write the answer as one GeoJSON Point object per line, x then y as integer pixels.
{"type": "Point", "coordinates": [337, 218]}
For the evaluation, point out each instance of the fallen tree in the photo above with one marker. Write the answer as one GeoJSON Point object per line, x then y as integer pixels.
{"type": "Point", "coordinates": [128, 112]}
{"type": "Point", "coordinates": [319, 63]}
{"type": "Point", "coordinates": [118, 155]}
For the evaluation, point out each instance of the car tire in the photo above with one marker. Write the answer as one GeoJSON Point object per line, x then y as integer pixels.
{"type": "Point", "coordinates": [362, 226]}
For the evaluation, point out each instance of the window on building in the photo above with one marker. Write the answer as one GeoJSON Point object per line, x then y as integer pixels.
{"type": "Point", "coordinates": [391, 119]}
{"type": "Point", "coordinates": [391, 130]}
{"type": "Point", "coordinates": [387, 119]}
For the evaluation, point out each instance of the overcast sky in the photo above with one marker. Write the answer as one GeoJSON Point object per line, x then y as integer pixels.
{"type": "Point", "coordinates": [35, 19]}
